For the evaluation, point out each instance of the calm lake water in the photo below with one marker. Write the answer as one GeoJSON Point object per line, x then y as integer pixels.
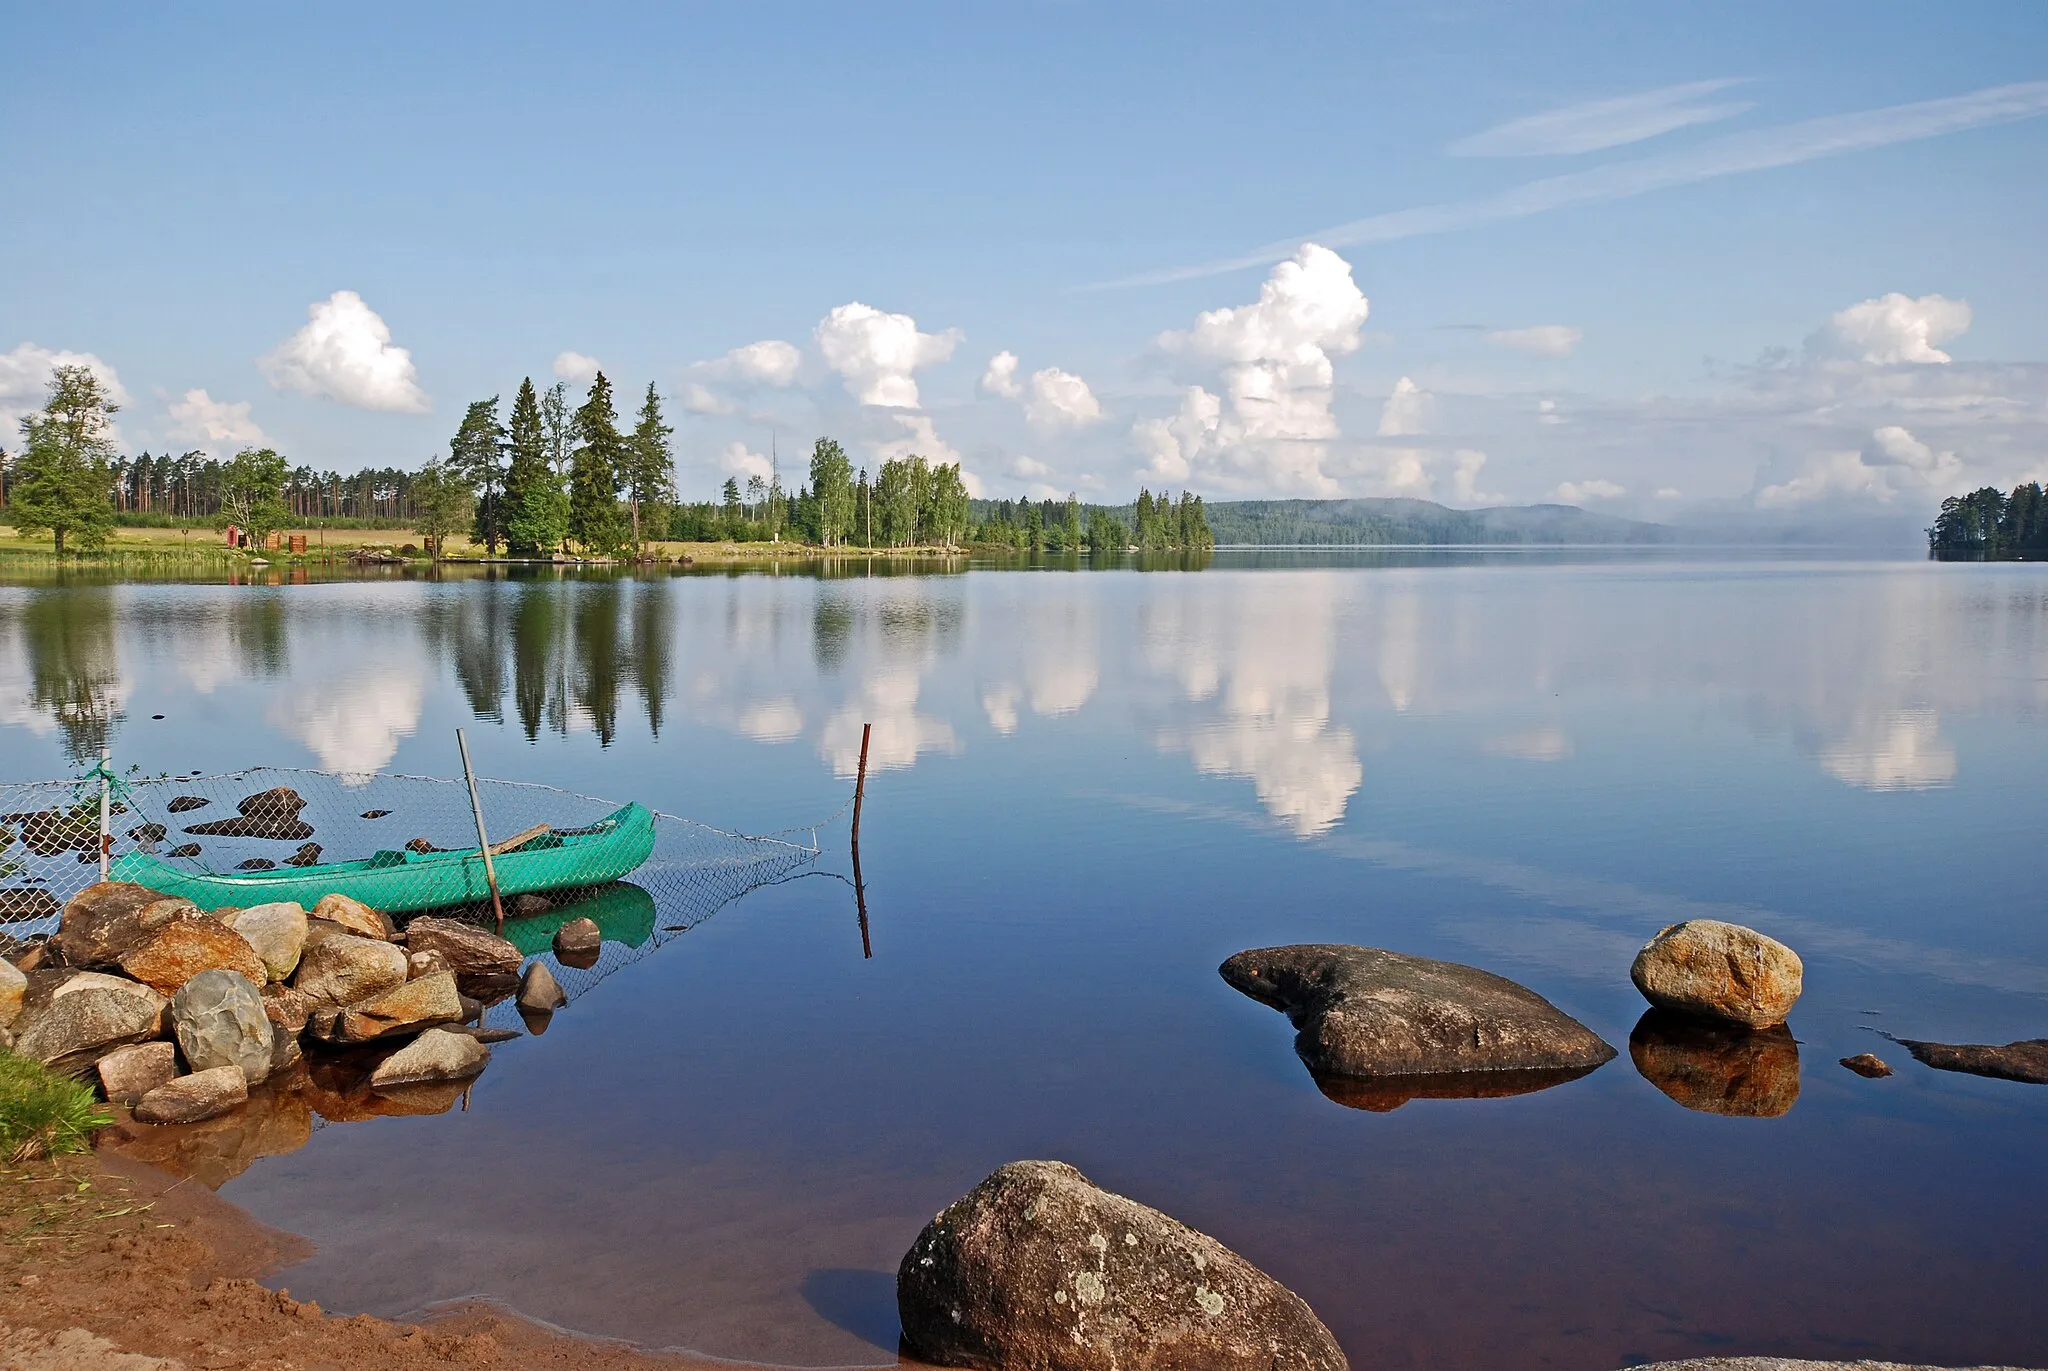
{"type": "Point", "coordinates": [1089, 789]}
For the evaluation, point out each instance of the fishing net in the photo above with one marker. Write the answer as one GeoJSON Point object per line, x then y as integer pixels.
{"type": "Point", "coordinates": [404, 844]}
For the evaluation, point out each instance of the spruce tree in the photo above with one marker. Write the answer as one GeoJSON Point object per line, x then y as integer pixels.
{"type": "Point", "coordinates": [594, 471]}
{"type": "Point", "coordinates": [476, 455]}
{"type": "Point", "coordinates": [536, 508]}
{"type": "Point", "coordinates": [649, 478]}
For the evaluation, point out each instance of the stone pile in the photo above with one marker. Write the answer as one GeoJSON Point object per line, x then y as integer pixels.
{"type": "Point", "coordinates": [179, 1013]}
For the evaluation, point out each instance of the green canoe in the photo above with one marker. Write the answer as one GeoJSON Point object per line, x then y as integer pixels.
{"type": "Point", "coordinates": [398, 882]}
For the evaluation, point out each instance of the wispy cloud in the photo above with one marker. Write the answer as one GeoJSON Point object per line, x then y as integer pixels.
{"type": "Point", "coordinates": [1757, 150]}
{"type": "Point", "coordinates": [1598, 124]}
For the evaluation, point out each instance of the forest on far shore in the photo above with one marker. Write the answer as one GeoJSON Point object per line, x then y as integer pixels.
{"type": "Point", "coordinates": [1989, 523]}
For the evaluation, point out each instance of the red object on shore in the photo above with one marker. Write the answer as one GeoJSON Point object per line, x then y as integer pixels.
{"type": "Point", "coordinates": [234, 536]}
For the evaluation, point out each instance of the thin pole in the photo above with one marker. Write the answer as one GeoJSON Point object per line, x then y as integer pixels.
{"type": "Point", "coordinates": [860, 784]}
{"type": "Point", "coordinates": [483, 843]}
{"type": "Point", "coordinates": [107, 812]}
{"type": "Point", "coordinates": [860, 902]}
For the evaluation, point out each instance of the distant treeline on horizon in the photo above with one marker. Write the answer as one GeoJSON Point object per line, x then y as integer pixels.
{"type": "Point", "coordinates": [1988, 523]}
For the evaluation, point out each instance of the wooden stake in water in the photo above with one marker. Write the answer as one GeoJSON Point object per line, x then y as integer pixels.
{"type": "Point", "coordinates": [107, 812]}
{"type": "Point", "coordinates": [860, 782]}
{"type": "Point", "coordinates": [483, 843]}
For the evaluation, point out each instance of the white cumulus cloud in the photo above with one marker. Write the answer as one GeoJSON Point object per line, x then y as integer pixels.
{"type": "Point", "coordinates": [741, 462]}
{"type": "Point", "coordinates": [701, 399]}
{"type": "Point", "coordinates": [1406, 411]}
{"type": "Point", "coordinates": [1275, 359]}
{"type": "Point", "coordinates": [25, 374]}
{"type": "Point", "coordinates": [1000, 378]}
{"type": "Point", "coordinates": [345, 353]}
{"type": "Point", "coordinates": [1578, 492]}
{"type": "Point", "coordinates": [1060, 399]}
{"type": "Point", "coordinates": [770, 362]}
{"type": "Point", "coordinates": [1465, 479]}
{"type": "Point", "coordinates": [576, 368]}
{"type": "Point", "coordinates": [199, 418]}
{"type": "Point", "coordinates": [879, 354]}
{"type": "Point", "coordinates": [1541, 340]}
{"type": "Point", "coordinates": [1596, 124]}
{"type": "Point", "coordinates": [1894, 328]}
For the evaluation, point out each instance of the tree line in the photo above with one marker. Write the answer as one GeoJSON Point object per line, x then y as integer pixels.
{"type": "Point", "coordinates": [1990, 523]}
{"type": "Point", "coordinates": [545, 479]}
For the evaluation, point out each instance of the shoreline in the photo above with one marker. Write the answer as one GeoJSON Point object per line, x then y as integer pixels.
{"type": "Point", "coordinates": [107, 1259]}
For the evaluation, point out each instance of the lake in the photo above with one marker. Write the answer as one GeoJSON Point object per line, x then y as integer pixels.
{"type": "Point", "coordinates": [1086, 789]}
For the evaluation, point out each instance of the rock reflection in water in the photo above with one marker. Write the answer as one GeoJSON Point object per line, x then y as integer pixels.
{"type": "Point", "coordinates": [1717, 1068]}
{"type": "Point", "coordinates": [1384, 1094]}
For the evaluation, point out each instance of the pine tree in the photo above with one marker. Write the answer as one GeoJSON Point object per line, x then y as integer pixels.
{"type": "Point", "coordinates": [476, 456]}
{"type": "Point", "coordinates": [594, 473]}
{"type": "Point", "coordinates": [536, 509]}
{"type": "Point", "coordinates": [63, 477]}
{"type": "Point", "coordinates": [649, 477]}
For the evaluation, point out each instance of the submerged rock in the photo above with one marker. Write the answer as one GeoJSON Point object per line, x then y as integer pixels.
{"type": "Point", "coordinates": [528, 906]}
{"type": "Point", "coordinates": [354, 915]}
{"type": "Point", "coordinates": [1868, 1064]}
{"type": "Point", "coordinates": [1411, 1026]}
{"type": "Point", "coordinates": [129, 1073]}
{"type": "Point", "coordinates": [308, 854]}
{"type": "Point", "coordinates": [1038, 1268]}
{"type": "Point", "coordinates": [277, 931]}
{"type": "Point", "coordinates": [1717, 970]}
{"type": "Point", "coordinates": [219, 1021]}
{"type": "Point", "coordinates": [467, 949]}
{"type": "Point", "coordinates": [86, 1017]}
{"type": "Point", "coordinates": [2025, 1061]}
{"type": "Point", "coordinates": [1717, 1068]}
{"type": "Point", "coordinates": [436, 1055]}
{"type": "Point", "coordinates": [179, 951]}
{"type": "Point", "coordinates": [268, 814]}
{"type": "Point", "coordinates": [184, 804]}
{"type": "Point", "coordinates": [539, 991]}
{"type": "Point", "coordinates": [579, 938]}
{"type": "Point", "coordinates": [188, 1099]}
{"type": "Point", "coordinates": [105, 920]}
{"type": "Point", "coordinates": [343, 968]}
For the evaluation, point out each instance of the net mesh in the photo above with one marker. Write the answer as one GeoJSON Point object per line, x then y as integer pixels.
{"type": "Point", "coordinates": [404, 844]}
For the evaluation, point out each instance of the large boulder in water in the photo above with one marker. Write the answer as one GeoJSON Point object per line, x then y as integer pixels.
{"type": "Point", "coordinates": [178, 951]}
{"type": "Point", "coordinates": [342, 968]}
{"type": "Point", "coordinates": [435, 1055]}
{"type": "Point", "coordinates": [466, 949]}
{"type": "Point", "coordinates": [1037, 1268]}
{"type": "Point", "coordinates": [425, 1003]}
{"type": "Point", "coordinates": [86, 1016]}
{"type": "Point", "coordinates": [1377, 1028]}
{"type": "Point", "coordinates": [1715, 970]}
{"type": "Point", "coordinates": [219, 1020]}
{"type": "Point", "coordinates": [103, 921]}
{"type": "Point", "coordinates": [1717, 1068]}
{"type": "Point", "coordinates": [188, 1099]}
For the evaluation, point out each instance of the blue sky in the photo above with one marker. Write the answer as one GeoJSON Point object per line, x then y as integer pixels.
{"type": "Point", "coordinates": [653, 187]}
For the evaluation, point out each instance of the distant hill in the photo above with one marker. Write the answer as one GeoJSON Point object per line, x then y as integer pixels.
{"type": "Point", "coordinates": [1354, 523]}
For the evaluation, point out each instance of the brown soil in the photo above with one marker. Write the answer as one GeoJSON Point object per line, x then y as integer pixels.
{"type": "Point", "coordinates": [108, 1264]}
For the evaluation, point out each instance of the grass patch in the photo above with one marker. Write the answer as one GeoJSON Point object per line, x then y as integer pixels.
{"type": "Point", "coordinates": [43, 1114]}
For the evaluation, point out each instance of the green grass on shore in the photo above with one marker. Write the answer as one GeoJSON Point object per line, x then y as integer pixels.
{"type": "Point", "coordinates": [43, 1114]}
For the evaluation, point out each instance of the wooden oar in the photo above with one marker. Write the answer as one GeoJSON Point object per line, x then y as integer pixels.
{"type": "Point", "coordinates": [521, 839]}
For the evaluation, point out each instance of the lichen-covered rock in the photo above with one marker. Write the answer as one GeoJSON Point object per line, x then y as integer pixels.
{"type": "Point", "coordinates": [13, 985]}
{"type": "Point", "coordinates": [219, 1021]}
{"type": "Point", "coordinates": [188, 1099]}
{"type": "Point", "coordinates": [1364, 1014]}
{"type": "Point", "coordinates": [85, 1017]}
{"type": "Point", "coordinates": [357, 917]}
{"type": "Point", "coordinates": [1717, 1068]}
{"type": "Point", "coordinates": [1717, 970]}
{"type": "Point", "coordinates": [178, 951]}
{"type": "Point", "coordinates": [407, 1008]}
{"type": "Point", "coordinates": [539, 991]}
{"type": "Point", "coordinates": [435, 1055]}
{"type": "Point", "coordinates": [129, 1073]}
{"type": "Point", "coordinates": [1036, 1269]}
{"type": "Point", "coordinates": [103, 921]}
{"type": "Point", "coordinates": [2025, 1061]}
{"type": "Point", "coordinates": [343, 968]}
{"type": "Point", "coordinates": [467, 949]}
{"type": "Point", "coordinates": [277, 931]}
